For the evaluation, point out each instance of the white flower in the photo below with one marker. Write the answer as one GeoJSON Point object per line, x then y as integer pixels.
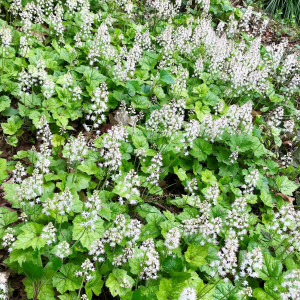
{"type": "Point", "coordinates": [87, 268]}
{"type": "Point", "coordinates": [5, 35]}
{"type": "Point", "coordinates": [76, 149]}
{"type": "Point", "coordinates": [4, 286]}
{"type": "Point", "coordinates": [188, 293]}
{"type": "Point", "coordinates": [49, 233]}
{"type": "Point", "coordinates": [111, 143]}
{"type": "Point", "coordinates": [150, 264]}
{"type": "Point", "coordinates": [167, 120]}
{"type": "Point", "coordinates": [30, 189]}
{"type": "Point", "coordinates": [98, 108]}
{"type": "Point", "coordinates": [212, 193]}
{"type": "Point", "coordinates": [172, 238]}
{"type": "Point", "coordinates": [63, 250]}
{"type": "Point", "coordinates": [97, 250]}
{"type": "Point", "coordinates": [154, 169]}
{"type": "Point", "coordinates": [8, 239]}
{"type": "Point", "coordinates": [60, 204]}
{"type": "Point", "coordinates": [18, 172]}
{"type": "Point", "coordinates": [254, 260]}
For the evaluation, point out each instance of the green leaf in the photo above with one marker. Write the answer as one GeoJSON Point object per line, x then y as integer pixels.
{"type": "Point", "coordinates": [114, 281]}
{"type": "Point", "coordinates": [272, 267]}
{"type": "Point", "coordinates": [159, 92]}
{"type": "Point", "coordinates": [273, 288]}
{"type": "Point", "coordinates": [225, 290]}
{"type": "Point", "coordinates": [266, 198]}
{"type": "Point", "coordinates": [180, 173]}
{"type": "Point", "coordinates": [89, 167]}
{"type": "Point", "coordinates": [95, 284]}
{"type": "Point", "coordinates": [46, 291]}
{"type": "Point", "coordinates": [285, 186]}
{"type": "Point", "coordinates": [57, 140]}
{"type": "Point", "coordinates": [260, 294]}
{"type": "Point", "coordinates": [145, 293]}
{"type": "Point", "coordinates": [133, 87]}
{"type": "Point", "coordinates": [135, 261]}
{"type": "Point", "coordinates": [201, 110]}
{"type": "Point", "coordinates": [65, 279]}
{"type": "Point", "coordinates": [4, 103]}
{"type": "Point", "coordinates": [30, 236]}
{"type": "Point", "coordinates": [12, 140]}
{"type": "Point", "coordinates": [201, 149]}
{"type": "Point", "coordinates": [170, 288]}
{"type": "Point", "coordinates": [140, 141]}
{"type": "Point", "coordinates": [87, 235]}
{"type": "Point", "coordinates": [208, 177]}
{"type": "Point", "coordinates": [171, 264]}
{"type": "Point", "coordinates": [276, 98]}
{"type": "Point", "coordinates": [71, 296]}
{"type": "Point", "coordinates": [82, 181]}
{"type": "Point", "coordinates": [67, 56]}
{"type": "Point", "coordinates": [13, 124]}
{"type": "Point", "coordinates": [142, 102]}
{"type": "Point", "coordinates": [195, 255]}
{"type": "Point", "coordinates": [201, 90]}
{"type": "Point", "coordinates": [7, 216]}
{"type": "Point", "coordinates": [164, 76]}
{"type": "Point", "coordinates": [32, 271]}
{"type": "Point", "coordinates": [245, 142]}
{"type": "Point", "coordinates": [3, 173]}
{"type": "Point", "coordinates": [20, 256]}
{"type": "Point", "coordinates": [93, 76]}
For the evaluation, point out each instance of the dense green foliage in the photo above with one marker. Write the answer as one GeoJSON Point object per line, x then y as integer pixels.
{"type": "Point", "coordinates": [164, 162]}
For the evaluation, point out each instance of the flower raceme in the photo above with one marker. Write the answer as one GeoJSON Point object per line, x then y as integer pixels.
{"type": "Point", "coordinates": [159, 167]}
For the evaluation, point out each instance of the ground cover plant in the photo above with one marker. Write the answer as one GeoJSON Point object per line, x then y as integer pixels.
{"type": "Point", "coordinates": [149, 152]}
{"type": "Point", "coordinates": [289, 9]}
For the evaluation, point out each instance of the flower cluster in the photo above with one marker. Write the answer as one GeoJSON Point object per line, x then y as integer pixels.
{"type": "Point", "coordinates": [5, 35]}
{"type": "Point", "coordinates": [172, 238]}
{"type": "Point", "coordinates": [204, 225]}
{"type": "Point", "coordinates": [49, 233]}
{"type": "Point", "coordinates": [60, 204]}
{"type": "Point", "coordinates": [76, 149]}
{"type": "Point", "coordinates": [45, 135]}
{"type": "Point", "coordinates": [212, 193]}
{"type": "Point", "coordinates": [253, 261]}
{"type": "Point", "coordinates": [3, 286]}
{"type": "Point", "coordinates": [36, 75]}
{"type": "Point", "coordinates": [125, 233]}
{"type": "Point", "coordinates": [111, 147]}
{"type": "Point", "coordinates": [228, 256]}
{"type": "Point", "coordinates": [237, 218]}
{"type": "Point", "coordinates": [251, 181]}
{"type": "Point", "coordinates": [18, 172]}
{"type": "Point", "coordinates": [8, 239]}
{"type": "Point", "coordinates": [188, 293]}
{"type": "Point", "coordinates": [167, 120]}
{"type": "Point", "coordinates": [63, 250]}
{"type": "Point", "coordinates": [87, 268]}
{"type": "Point", "coordinates": [129, 188]}
{"type": "Point", "coordinates": [97, 109]}
{"type": "Point", "coordinates": [292, 284]}
{"type": "Point", "coordinates": [154, 169]}
{"type": "Point", "coordinates": [150, 264]}
{"type": "Point", "coordinates": [91, 209]}
{"type": "Point", "coordinates": [30, 189]}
